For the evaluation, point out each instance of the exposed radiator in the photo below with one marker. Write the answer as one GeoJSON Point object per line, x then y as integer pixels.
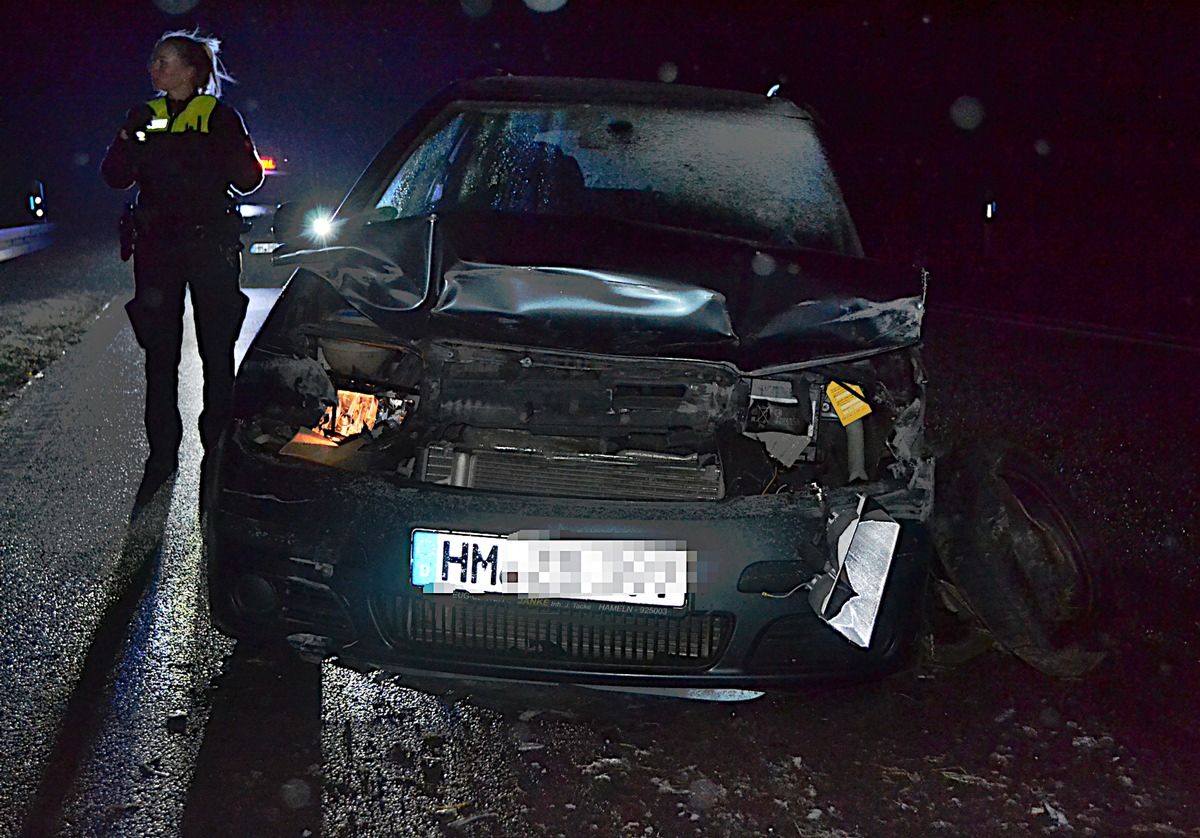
{"type": "Point", "coordinates": [633, 476]}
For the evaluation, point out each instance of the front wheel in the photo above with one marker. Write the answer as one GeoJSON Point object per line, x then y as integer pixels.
{"type": "Point", "coordinates": [1013, 541]}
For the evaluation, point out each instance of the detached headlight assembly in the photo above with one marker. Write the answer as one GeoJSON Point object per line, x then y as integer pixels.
{"type": "Point", "coordinates": [355, 420]}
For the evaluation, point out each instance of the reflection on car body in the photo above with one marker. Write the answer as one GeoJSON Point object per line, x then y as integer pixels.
{"type": "Point", "coordinates": [594, 385]}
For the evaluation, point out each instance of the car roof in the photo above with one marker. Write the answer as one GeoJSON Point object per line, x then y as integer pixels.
{"type": "Point", "coordinates": [615, 91]}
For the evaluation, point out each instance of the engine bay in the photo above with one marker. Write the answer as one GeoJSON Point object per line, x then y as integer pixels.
{"type": "Point", "coordinates": [525, 420]}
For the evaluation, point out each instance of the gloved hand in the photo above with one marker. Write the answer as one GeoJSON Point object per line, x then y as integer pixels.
{"type": "Point", "coordinates": [135, 126]}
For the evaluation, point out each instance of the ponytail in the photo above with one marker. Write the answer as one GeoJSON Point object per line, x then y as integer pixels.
{"type": "Point", "coordinates": [203, 53]}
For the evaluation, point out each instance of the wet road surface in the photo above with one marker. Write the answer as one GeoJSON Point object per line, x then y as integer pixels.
{"type": "Point", "coordinates": [122, 712]}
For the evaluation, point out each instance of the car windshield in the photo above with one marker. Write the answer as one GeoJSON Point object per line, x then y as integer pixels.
{"type": "Point", "coordinates": [748, 174]}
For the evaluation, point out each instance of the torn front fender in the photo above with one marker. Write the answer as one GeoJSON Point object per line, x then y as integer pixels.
{"type": "Point", "coordinates": [381, 267]}
{"type": "Point", "coordinates": [848, 595]}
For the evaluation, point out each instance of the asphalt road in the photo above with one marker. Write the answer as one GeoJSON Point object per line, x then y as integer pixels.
{"type": "Point", "coordinates": [122, 712]}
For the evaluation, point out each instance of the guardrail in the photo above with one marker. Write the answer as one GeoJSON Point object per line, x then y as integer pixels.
{"type": "Point", "coordinates": [17, 241]}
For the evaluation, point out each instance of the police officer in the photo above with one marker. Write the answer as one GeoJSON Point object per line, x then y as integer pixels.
{"type": "Point", "coordinates": [190, 155]}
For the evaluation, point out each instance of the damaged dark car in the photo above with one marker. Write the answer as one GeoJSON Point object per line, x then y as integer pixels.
{"type": "Point", "coordinates": [590, 383]}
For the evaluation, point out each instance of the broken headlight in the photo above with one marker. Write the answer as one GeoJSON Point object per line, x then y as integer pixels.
{"type": "Point", "coordinates": [358, 419]}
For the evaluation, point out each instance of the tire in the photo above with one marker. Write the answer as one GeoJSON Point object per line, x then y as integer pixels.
{"type": "Point", "coordinates": [1016, 545]}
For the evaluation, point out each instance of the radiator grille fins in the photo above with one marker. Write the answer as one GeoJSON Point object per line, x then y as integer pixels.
{"type": "Point", "coordinates": [534, 635]}
{"type": "Point", "coordinates": [600, 476]}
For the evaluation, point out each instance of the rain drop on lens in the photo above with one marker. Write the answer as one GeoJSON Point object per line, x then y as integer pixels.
{"type": "Point", "coordinates": [176, 7]}
{"type": "Point", "coordinates": [476, 8]}
{"type": "Point", "coordinates": [967, 112]}
{"type": "Point", "coordinates": [763, 264]}
{"type": "Point", "coordinates": [545, 5]}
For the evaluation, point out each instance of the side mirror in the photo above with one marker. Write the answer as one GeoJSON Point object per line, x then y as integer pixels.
{"type": "Point", "coordinates": [288, 221]}
{"type": "Point", "coordinates": [299, 225]}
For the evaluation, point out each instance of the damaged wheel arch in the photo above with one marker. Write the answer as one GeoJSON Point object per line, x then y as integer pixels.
{"type": "Point", "coordinates": [1022, 554]}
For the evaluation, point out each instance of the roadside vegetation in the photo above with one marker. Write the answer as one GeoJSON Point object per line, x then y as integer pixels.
{"type": "Point", "coordinates": [34, 334]}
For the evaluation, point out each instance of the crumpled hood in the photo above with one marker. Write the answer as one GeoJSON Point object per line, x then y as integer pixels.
{"type": "Point", "coordinates": [612, 286]}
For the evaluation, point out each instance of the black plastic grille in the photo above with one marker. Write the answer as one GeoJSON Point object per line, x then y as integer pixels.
{"type": "Point", "coordinates": [313, 604]}
{"type": "Point", "coordinates": [492, 631]}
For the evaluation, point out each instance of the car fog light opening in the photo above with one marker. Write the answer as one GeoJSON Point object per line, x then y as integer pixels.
{"type": "Point", "coordinates": [775, 579]}
{"type": "Point", "coordinates": [255, 596]}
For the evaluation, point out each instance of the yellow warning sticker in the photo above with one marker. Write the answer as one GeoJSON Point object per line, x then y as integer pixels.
{"type": "Point", "coordinates": [846, 403]}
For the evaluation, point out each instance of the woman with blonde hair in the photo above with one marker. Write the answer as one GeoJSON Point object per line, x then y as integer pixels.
{"type": "Point", "coordinates": [190, 156]}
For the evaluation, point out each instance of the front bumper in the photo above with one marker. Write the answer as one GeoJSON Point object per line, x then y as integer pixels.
{"type": "Point", "coordinates": [301, 549]}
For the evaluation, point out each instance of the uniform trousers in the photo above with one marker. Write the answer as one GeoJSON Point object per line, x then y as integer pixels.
{"type": "Point", "coordinates": [209, 265]}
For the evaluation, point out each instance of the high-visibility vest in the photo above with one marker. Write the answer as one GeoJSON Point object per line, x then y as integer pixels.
{"type": "Point", "coordinates": [193, 118]}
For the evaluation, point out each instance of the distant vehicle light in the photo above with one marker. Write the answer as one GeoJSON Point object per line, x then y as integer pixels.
{"type": "Point", "coordinates": [264, 247]}
{"type": "Point", "coordinates": [37, 200]}
{"type": "Point", "coordinates": [268, 163]}
{"type": "Point", "coordinates": [254, 210]}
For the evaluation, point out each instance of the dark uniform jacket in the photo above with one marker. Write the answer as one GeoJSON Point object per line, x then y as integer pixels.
{"type": "Point", "coordinates": [189, 159]}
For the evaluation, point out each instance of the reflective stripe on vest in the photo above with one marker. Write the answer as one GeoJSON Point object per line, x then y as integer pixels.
{"type": "Point", "coordinates": [193, 118]}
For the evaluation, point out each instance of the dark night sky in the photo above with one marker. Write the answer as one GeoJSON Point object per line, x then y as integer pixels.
{"type": "Point", "coordinates": [1088, 142]}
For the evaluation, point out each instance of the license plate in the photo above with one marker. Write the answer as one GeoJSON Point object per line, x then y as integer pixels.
{"type": "Point", "coordinates": [634, 572]}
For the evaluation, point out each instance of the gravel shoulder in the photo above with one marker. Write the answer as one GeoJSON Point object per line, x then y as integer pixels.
{"type": "Point", "coordinates": [48, 299]}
